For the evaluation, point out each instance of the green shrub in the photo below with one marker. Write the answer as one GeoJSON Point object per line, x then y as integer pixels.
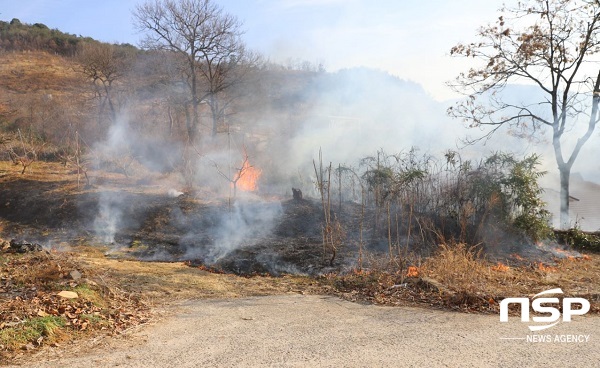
{"type": "Point", "coordinates": [579, 239]}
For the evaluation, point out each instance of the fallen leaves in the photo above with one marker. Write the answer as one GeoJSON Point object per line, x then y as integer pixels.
{"type": "Point", "coordinates": [53, 285]}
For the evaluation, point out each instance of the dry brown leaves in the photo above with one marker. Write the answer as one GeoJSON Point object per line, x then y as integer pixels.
{"type": "Point", "coordinates": [386, 288]}
{"type": "Point", "coordinates": [29, 287]}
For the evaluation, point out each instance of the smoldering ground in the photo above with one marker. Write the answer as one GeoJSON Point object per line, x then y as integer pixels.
{"type": "Point", "coordinates": [191, 213]}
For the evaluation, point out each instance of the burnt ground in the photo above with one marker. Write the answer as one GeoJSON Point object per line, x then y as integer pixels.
{"type": "Point", "coordinates": [119, 221]}
{"type": "Point", "coordinates": [156, 227]}
{"type": "Point", "coordinates": [249, 235]}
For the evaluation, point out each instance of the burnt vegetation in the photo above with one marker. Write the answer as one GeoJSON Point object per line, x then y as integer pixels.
{"type": "Point", "coordinates": [196, 152]}
{"type": "Point", "coordinates": [400, 205]}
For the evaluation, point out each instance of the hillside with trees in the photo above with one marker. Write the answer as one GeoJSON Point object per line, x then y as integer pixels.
{"type": "Point", "coordinates": [18, 36]}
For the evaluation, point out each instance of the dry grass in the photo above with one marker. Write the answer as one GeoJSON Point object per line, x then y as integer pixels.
{"type": "Point", "coordinates": [41, 172]}
{"type": "Point", "coordinates": [113, 295]}
{"type": "Point", "coordinates": [36, 84]}
{"type": "Point", "coordinates": [161, 282]}
{"type": "Point", "coordinates": [458, 278]}
{"type": "Point", "coordinates": [463, 270]}
{"type": "Point", "coordinates": [33, 314]}
{"type": "Point", "coordinates": [37, 71]}
{"type": "Point", "coordinates": [458, 267]}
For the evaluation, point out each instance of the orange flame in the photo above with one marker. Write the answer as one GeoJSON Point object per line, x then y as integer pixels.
{"type": "Point", "coordinates": [500, 267]}
{"type": "Point", "coordinates": [247, 177]}
{"type": "Point", "coordinates": [543, 267]}
{"type": "Point", "coordinates": [566, 254]}
{"type": "Point", "coordinates": [360, 271]}
{"type": "Point", "coordinates": [412, 271]}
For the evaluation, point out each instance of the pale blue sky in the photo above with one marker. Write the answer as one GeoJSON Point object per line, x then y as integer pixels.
{"type": "Point", "coordinates": [410, 39]}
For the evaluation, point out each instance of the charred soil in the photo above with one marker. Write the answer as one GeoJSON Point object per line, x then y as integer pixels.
{"type": "Point", "coordinates": [166, 248]}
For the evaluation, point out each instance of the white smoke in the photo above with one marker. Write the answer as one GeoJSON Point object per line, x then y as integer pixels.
{"type": "Point", "coordinates": [109, 217]}
{"type": "Point", "coordinates": [174, 193]}
{"type": "Point", "coordinates": [248, 221]}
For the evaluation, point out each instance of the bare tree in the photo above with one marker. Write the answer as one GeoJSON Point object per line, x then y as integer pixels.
{"type": "Point", "coordinates": [334, 234]}
{"type": "Point", "coordinates": [549, 44]}
{"type": "Point", "coordinates": [25, 153]}
{"type": "Point", "coordinates": [224, 77]}
{"type": "Point", "coordinates": [239, 172]}
{"type": "Point", "coordinates": [208, 41]}
{"type": "Point", "coordinates": [104, 65]}
{"type": "Point", "coordinates": [74, 153]}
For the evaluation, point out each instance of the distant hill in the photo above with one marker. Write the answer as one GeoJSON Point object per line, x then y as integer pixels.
{"type": "Point", "coordinates": [42, 92]}
{"type": "Point", "coordinates": [43, 88]}
{"type": "Point", "coordinates": [18, 36]}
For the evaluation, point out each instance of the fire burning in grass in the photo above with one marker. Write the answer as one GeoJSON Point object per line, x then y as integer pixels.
{"type": "Point", "coordinates": [412, 271]}
{"type": "Point", "coordinates": [517, 257]}
{"type": "Point", "coordinates": [563, 253]}
{"type": "Point", "coordinates": [558, 252]}
{"type": "Point", "coordinates": [247, 177]}
{"type": "Point", "coordinates": [500, 267]}
{"type": "Point", "coordinates": [544, 268]}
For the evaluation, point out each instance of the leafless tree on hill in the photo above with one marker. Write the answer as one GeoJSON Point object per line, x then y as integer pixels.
{"type": "Point", "coordinates": [208, 41]}
{"type": "Point", "coordinates": [105, 65]}
{"type": "Point", "coordinates": [25, 151]}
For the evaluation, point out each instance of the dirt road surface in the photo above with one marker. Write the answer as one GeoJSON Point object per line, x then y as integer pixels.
{"type": "Point", "coordinates": [323, 331]}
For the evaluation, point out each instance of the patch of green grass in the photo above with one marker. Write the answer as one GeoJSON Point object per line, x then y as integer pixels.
{"type": "Point", "coordinates": [94, 319]}
{"type": "Point", "coordinates": [46, 326]}
{"type": "Point", "coordinates": [31, 330]}
{"type": "Point", "coordinates": [86, 292]}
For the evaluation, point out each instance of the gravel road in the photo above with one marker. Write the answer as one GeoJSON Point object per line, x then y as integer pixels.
{"type": "Point", "coordinates": [323, 331]}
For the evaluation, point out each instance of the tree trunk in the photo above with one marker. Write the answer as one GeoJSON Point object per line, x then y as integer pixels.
{"type": "Point", "coordinates": [193, 122]}
{"type": "Point", "coordinates": [564, 167]}
{"type": "Point", "coordinates": [214, 107]}
{"type": "Point", "coordinates": [191, 131]}
{"type": "Point", "coordinates": [565, 174]}
{"type": "Point", "coordinates": [111, 106]}
{"type": "Point", "coordinates": [171, 122]}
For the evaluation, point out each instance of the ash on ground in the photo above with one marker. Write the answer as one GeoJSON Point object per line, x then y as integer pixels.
{"type": "Point", "coordinates": [250, 235]}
